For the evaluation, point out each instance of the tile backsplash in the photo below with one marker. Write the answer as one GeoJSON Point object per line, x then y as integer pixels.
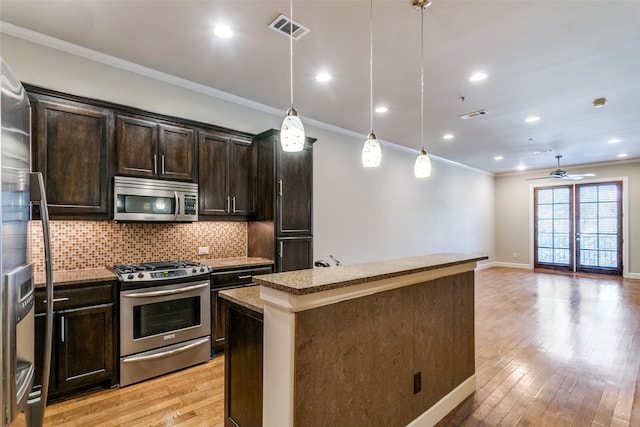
{"type": "Point", "coordinates": [91, 244]}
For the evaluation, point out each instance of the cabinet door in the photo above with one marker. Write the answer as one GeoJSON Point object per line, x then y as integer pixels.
{"type": "Point", "coordinates": [242, 177]}
{"type": "Point", "coordinates": [294, 253]}
{"type": "Point", "coordinates": [176, 153]}
{"type": "Point", "coordinates": [294, 185]}
{"type": "Point", "coordinates": [85, 346]}
{"type": "Point", "coordinates": [212, 174]}
{"type": "Point", "coordinates": [136, 147]}
{"type": "Point", "coordinates": [71, 149]}
{"type": "Point", "coordinates": [218, 320]}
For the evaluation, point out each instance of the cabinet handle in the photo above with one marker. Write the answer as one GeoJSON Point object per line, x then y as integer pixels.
{"type": "Point", "coordinates": [62, 337]}
{"type": "Point", "coordinates": [281, 249]}
{"type": "Point", "coordinates": [233, 209]}
{"type": "Point", "coordinates": [280, 188]}
{"type": "Point", "coordinates": [155, 164]}
{"type": "Point", "coordinates": [228, 204]}
{"type": "Point", "coordinates": [162, 164]}
{"type": "Point", "coordinates": [56, 300]}
{"type": "Point", "coordinates": [246, 276]}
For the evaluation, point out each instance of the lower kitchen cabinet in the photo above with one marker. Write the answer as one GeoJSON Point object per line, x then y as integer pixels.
{"type": "Point", "coordinates": [294, 253]}
{"type": "Point", "coordinates": [243, 367]}
{"type": "Point", "coordinates": [222, 280]}
{"type": "Point", "coordinates": [83, 350]}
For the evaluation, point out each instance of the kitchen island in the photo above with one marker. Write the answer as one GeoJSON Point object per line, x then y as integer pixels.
{"type": "Point", "coordinates": [387, 343]}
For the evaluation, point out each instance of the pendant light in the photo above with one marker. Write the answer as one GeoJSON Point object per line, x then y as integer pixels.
{"type": "Point", "coordinates": [371, 152]}
{"type": "Point", "coordinates": [422, 166]}
{"type": "Point", "coordinates": [292, 131]}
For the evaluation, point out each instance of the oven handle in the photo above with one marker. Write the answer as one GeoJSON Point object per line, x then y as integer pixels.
{"type": "Point", "coordinates": [169, 292]}
{"type": "Point", "coordinates": [165, 353]}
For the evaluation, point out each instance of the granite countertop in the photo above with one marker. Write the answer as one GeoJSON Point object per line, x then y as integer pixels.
{"type": "Point", "coordinates": [235, 262]}
{"type": "Point", "coordinates": [75, 277]}
{"type": "Point", "coordinates": [103, 274]}
{"type": "Point", "coordinates": [302, 282]}
{"type": "Point", "coordinates": [248, 296]}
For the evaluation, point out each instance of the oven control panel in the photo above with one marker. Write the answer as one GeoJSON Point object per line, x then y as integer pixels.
{"type": "Point", "coordinates": [167, 274]}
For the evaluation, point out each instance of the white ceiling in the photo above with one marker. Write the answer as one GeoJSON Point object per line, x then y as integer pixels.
{"type": "Point", "coordinates": [545, 58]}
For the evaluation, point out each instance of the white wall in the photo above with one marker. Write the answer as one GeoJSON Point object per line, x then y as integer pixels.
{"type": "Point", "coordinates": [514, 202]}
{"type": "Point", "coordinates": [359, 215]}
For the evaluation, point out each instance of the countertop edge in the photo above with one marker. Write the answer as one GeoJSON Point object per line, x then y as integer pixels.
{"type": "Point", "coordinates": [248, 297]}
{"type": "Point", "coordinates": [352, 274]}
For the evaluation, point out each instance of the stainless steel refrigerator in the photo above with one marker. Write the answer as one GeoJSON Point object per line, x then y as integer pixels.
{"type": "Point", "coordinates": [20, 403]}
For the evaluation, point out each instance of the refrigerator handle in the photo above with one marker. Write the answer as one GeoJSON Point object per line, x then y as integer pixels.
{"type": "Point", "coordinates": [38, 399]}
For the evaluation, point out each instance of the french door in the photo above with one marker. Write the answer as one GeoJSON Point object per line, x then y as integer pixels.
{"type": "Point", "coordinates": [578, 227]}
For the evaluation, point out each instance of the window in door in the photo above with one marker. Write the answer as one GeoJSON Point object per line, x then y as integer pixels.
{"type": "Point", "coordinates": [579, 227]}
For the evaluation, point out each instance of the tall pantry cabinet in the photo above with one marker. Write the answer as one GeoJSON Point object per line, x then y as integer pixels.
{"type": "Point", "coordinates": [283, 228]}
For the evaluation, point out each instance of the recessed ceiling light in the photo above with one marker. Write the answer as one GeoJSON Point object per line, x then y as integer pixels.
{"type": "Point", "coordinates": [381, 109]}
{"type": "Point", "coordinates": [614, 140]}
{"type": "Point", "coordinates": [477, 77]}
{"type": "Point", "coordinates": [447, 136]}
{"type": "Point", "coordinates": [498, 158]}
{"type": "Point", "coordinates": [621, 155]}
{"type": "Point", "coordinates": [223, 31]}
{"type": "Point", "coordinates": [323, 77]}
{"type": "Point", "coordinates": [532, 119]}
{"type": "Point", "coordinates": [521, 167]}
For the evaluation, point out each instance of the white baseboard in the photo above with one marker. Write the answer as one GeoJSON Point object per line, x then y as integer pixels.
{"type": "Point", "coordinates": [632, 276]}
{"type": "Point", "coordinates": [482, 266]}
{"type": "Point", "coordinates": [431, 416]}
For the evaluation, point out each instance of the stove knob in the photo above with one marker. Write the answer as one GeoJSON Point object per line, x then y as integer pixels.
{"type": "Point", "coordinates": [194, 270]}
{"type": "Point", "coordinates": [130, 276]}
{"type": "Point", "coordinates": [140, 275]}
{"type": "Point", "coordinates": [201, 269]}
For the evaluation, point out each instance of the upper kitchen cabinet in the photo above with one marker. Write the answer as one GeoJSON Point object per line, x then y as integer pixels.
{"type": "Point", "coordinates": [151, 148]}
{"type": "Point", "coordinates": [227, 174]}
{"type": "Point", "coordinates": [283, 228]}
{"type": "Point", "coordinates": [72, 144]}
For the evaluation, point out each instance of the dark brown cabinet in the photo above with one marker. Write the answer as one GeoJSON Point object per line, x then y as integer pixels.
{"type": "Point", "coordinates": [283, 230]}
{"type": "Point", "coordinates": [148, 148]}
{"type": "Point", "coordinates": [71, 147]}
{"type": "Point", "coordinates": [83, 351]}
{"type": "Point", "coordinates": [227, 279]}
{"type": "Point", "coordinates": [227, 175]}
{"type": "Point", "coordinates": [243, 367]}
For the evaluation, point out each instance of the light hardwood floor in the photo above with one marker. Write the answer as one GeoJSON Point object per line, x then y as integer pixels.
{"type": "Point", "coordinates": [551, 350]}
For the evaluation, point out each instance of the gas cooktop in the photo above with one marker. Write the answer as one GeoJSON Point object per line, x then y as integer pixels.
{"type": "Point", "coordinates": [161, 270]}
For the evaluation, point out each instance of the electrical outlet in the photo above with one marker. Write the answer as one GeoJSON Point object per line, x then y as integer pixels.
{"type": "Point", "coordinates": [203, 250]}
{"type": "Point", "coordinates": [417, 382]}
{"type": "Point", "coordinates": [515, 254]}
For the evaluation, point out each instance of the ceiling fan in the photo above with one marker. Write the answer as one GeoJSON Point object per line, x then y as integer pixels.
{"type": "Point", "coordinates": [560, 174]}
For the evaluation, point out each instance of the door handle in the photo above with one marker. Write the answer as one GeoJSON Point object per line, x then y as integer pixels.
{"type": "Point", "coordinates": [155, 164]}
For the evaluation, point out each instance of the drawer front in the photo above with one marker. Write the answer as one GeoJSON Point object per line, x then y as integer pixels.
{"type": "Point", "coordinates": [236, 277]}
{"type": "Point", "coordinates": [64, 298]}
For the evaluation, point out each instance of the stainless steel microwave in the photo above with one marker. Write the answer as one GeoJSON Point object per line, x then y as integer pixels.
{"type": "Point", "coordinates": [139, 200]}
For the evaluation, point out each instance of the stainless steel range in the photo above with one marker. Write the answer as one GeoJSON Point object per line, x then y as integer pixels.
{"type": "Point", "coordinates": [164, 318]}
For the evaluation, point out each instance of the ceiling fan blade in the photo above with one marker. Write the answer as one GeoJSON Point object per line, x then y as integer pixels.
{"type": "Point", "coordinates": [583, 175]}
{"type": "Point", "coordinates": [542, 177]}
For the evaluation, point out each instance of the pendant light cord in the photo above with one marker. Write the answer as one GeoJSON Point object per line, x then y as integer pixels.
{"type": "Point", "coordinates": [371, 64]}
{"type": "Point", "coordinates": [422, 75]}
{"type": "Point", "coordinates": [291, 49]}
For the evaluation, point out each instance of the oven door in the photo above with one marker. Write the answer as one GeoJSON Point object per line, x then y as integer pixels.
{"type": "Point", "coordinates": [164, 315]}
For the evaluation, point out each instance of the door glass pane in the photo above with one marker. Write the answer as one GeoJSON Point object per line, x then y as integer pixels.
{"type": "Point", "coordinates": [598, 226]}
{"type": "Point", "coordinates": [553, 225]}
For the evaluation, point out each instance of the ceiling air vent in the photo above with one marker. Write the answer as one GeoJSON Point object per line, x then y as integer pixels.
{"type": "Point", "coordinates": [283, 25]}
{"type": "Point", "coordinates": [474, 114]}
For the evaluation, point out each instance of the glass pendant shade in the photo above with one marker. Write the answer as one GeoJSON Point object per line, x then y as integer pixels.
{"type": "Point", "coordinates": [371, 152]}
{"type": "Point", "coordinates": [292, 132]}
{"type": "Point", "coordinates": [422, 167]}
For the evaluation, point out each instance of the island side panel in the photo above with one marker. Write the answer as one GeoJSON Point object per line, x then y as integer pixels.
{"type": "Point", "coordinates": [444, 337]}
{"type": "Point", "coordinates": [355, 360]}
